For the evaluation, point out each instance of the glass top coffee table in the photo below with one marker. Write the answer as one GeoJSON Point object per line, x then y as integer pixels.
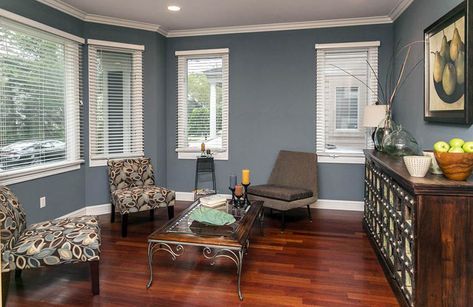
{"type": "Point", "coordinates": [229, 242]}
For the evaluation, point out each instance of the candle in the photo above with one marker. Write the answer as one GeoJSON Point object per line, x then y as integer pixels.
{"type": "Point", "coordinates": [238, 190]}
{"type": "Point", "coordinates": [233, 181]}
{"type": "Point", "coordinates": [245, 176]}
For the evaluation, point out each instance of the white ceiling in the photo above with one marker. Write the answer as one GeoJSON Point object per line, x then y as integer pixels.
{"type": "Point", "coordinates": [227, 13]}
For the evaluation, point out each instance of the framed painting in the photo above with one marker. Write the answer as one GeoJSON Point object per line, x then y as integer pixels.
{"type": "Point", "coordinates": [448, 79]}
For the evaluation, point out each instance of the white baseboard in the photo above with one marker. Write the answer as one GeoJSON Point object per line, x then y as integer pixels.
{"type": "Point", "coordinates": [90, 210]}
{"type": "Point", "coordinates": [184, 196]}
{"type": "Point", "coordinates": [75, 213]}
{"type": "Point", "coordinates": [329, 204]}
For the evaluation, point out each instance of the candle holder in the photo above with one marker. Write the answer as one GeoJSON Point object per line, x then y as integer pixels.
{"type": "Point", "coordinates": [233, 194]}
{"type": "Point", "coordinates": [238, 203]}
{"type": "Point", "coordinates": [246, 201]}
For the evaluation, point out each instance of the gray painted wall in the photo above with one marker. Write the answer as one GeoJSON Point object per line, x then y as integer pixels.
{"type": "Point", "coordinates": [272, 103]}
{"type": "Point", "coordinates": [72, 190]}
{"type": "Point", "coordinates": [409, 105]}
{"type": "Point", "coordinates": [272, 92]}
{"type": "Point", "coordinates": [96, 179]}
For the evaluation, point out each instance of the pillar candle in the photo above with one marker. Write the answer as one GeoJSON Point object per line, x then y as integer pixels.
{"type": "Point", "coordinates": [238, 190]}
{"type": "Point", "coordinates": [233, 181]}
{"type": "Point", "coordinates": [245, 176]}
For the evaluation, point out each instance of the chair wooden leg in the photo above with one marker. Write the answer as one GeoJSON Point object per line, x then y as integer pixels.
{"type": "Point", "coordinates": [283, 220]}
{"type": "Point", "coordinates": [95, 277]}
{"type": "Point", "coordinates": [151, 215]}
{"type": "Point", "coordinates": [170, 212]}
{"type": "Point", "coordinates": [5, 285]}
{"type": "Point", "coordinates": [124, 224]}
{"type": "Point", "coordinates": [112, 217]}
{"type": "Point", "coordinates": [310, 214]}
{"type": "Point", "coordinates": [18, 274]}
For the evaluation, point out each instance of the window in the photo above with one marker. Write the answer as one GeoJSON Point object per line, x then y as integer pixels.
{"type": "Point", "coordinates": [346, 83]}
{"type": "Point", "coordinates": [202, 106]}
{"type": "Point", "coordinates": [115, 101]}
{"type": "Point", "coordinates": [39, 101]}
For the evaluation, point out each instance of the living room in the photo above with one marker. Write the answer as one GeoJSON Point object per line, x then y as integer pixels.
{"type": "Point", "coordinates": [248, 86]}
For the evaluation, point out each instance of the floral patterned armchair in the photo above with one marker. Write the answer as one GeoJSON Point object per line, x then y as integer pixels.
{"type": "Point", "coordinates": [60, 241]}
{"type": "Point", "coordinates": [133, 189]}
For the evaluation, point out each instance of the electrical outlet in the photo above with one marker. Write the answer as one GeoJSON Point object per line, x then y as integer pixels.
{"type": "Point", "coordinates": [42, 202]}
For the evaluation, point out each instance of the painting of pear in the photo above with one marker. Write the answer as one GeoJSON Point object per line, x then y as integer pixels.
{"type": "Point", "coordinates": [447, 57]}
{"type": "Point", "coordinates": [449, 79]}
{"type": "Point", "coordinates": [445, 49]}
{"type": "Point", "coordinates": [439, 66]}
{"type": "Point", "coordinates": [455, 45]}
{"type": "Point", "coordinates": [460, 66]}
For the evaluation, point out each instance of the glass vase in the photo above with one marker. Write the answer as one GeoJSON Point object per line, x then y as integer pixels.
{"type": "Point", "coordinates": [400, 143]}
{"type": "Point", "coordinates": [385, 127]}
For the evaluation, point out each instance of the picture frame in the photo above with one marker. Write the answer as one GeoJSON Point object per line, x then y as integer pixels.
{"type": "Point", "coordinates": [448, 94]}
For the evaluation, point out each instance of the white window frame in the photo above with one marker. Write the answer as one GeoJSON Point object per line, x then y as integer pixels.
{"type": "Point", "coordinates": [119, 46]}
{"type": "Point", "coordinates": [343, 157]}
{"type": "Point", "coordinates": [73, 162]}
{"type": "Point", "coordinates": [182, 56]}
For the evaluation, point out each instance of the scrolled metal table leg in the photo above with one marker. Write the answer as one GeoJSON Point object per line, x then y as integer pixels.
{"type": "Point", "coordinates": [150, 264]}
{"type": "Point", "coordinates": [179, 249]}
{"type": "Point", "coordinates": [237, 257]}
{"type": "Point", "coordinates": [240, 265]}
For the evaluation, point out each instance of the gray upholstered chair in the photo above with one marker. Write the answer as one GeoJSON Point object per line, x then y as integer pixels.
{"type": "Point", "coordinates": [133, 189]}
{"type": "Point", "coordinates": [292, 184]}
{"type": "Point", "coordinates": [49, 243]}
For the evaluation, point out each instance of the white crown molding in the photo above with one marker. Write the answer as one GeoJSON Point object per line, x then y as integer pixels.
{"type": "Point", "coordinates": [282, 26]}
{"type": "Point", "coordinates": [65, 8]}
{"type": "Point", "coordinates": [399, 9]}
{"type": "Point", "coordinates": [69, 9]}
{"type": "Point", "coordinates": [75, 12]}
{"type": "Point", "coordinates": [124, 23]}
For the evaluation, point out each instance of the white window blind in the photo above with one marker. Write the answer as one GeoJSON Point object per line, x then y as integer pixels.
{"type": "Point", "coordinates": [345, 85]}
{"type": "Point", "coordinates": [115, 103]}
{"type": "Point", "coordinates": [202, 106]}
{"type": "Point", "coordinates": [40, 92]}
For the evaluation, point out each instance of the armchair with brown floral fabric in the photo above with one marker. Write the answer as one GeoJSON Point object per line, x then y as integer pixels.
{"type": "Point", "coordinates": [133, 189]}
{"type": "Point", "coordinates": [48, 243]}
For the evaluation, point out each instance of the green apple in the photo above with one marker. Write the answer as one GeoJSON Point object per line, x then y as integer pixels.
{"type": "Point", "coordinates": [456, 150]}
{"type": "Point", "coordinates": [456, 142]}
{"type": "Point", "coordinates": [441, 146]}
{"type": "Point", "coordinates": [468, 147]}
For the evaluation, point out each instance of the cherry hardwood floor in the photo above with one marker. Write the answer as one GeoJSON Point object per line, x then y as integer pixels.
{"type": "Point", "coordinates": [328, 262]}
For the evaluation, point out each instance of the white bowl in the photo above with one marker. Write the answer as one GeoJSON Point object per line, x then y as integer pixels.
{"type": "Point", "coordinates": [417, 166]}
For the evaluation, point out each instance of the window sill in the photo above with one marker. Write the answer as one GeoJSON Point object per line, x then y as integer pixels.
{"type": "Point", "coordinates": [194, 155]}
{"type": "Point", "coordinates": [17, 176]}
{"type": "Point", "coordinates": [342, 158]}
{"type": "Point", "coordinates": [104, 162]}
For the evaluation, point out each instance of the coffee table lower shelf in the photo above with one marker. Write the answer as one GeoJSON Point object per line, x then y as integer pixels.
{"type": "Point", "coordinates": [210, 252]}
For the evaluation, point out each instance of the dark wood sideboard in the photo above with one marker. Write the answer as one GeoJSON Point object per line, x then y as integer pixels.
{"type": "Point", "coordinates": [422, 231]}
